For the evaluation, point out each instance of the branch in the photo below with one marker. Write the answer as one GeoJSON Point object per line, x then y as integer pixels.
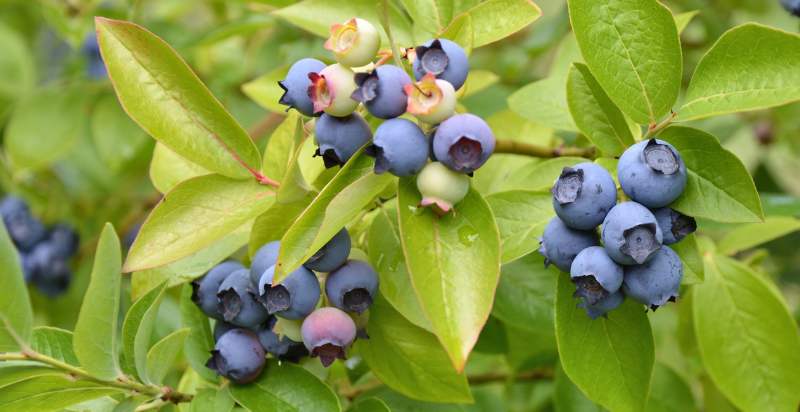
{"type": "Point", "coordinates": [527, 149]}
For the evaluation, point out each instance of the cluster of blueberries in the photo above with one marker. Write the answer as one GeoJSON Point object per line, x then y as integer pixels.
{"type": "Point", "coordinates": [44, 253]}
{"type": "Point", "coordinates": [792, 6]}
{"type": "Point", "coordinates": [633, 260]}
{"type": "Point", "coordinates": [255, 317]}
{"type": "Point", "coordinates": [458, 143]}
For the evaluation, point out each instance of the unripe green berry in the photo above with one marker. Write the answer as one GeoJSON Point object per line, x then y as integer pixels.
{"type": "Point", "coordinates": [354, 43]}
{"type": "Point", "coordinates": [441, 188]}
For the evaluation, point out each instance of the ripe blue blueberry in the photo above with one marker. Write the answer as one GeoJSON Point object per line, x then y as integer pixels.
{"type": "Point", "coordinates": [443, 58]}
{"type": "Point", "coordinates": [332, 255]}
{"type": "Point", "coordinates": [604, 305]}
{"type": "Point", "coordinates": [238, 356]}
{"type": "Point", "coordinates": [441, 187]}
{"type": "Point", "coordinates": [560, 243]}
{"type": "Point", "coordinates": [295, 85]}
{"type": "Point", "coordinates": [237, 301]}
{"type": "Point", "coordinates": [130, 236]}
{"type": "Point", "coordinates": [331, 90]}
{"type": "Point", "coordinates": [382, 91]}
{"type": "Point", "coordinates": [64, 240]}
{"type": "Point", "coordinates": [95, 68]}
{"type": "Point", "coordinates": [339, 138]}
{"type": "Point", "coordinates": [354, 42]}
{"type": "Point", "coordinates": [657, 281]}
{"type": "Point", "coordinates": [792, 6]}
{"type": "Point", "coordinates": [463, 142]}
{"type": "Point", "coordinates": [294, 298]}
{"type": "Point", "coordinates": [352, 287]}
{"type": "Point", "coordinates": [674, 225]}
{"type": "Point", "coordinates": [399, 147]}
{"type": "Point", "coordinates": [327, 332]}
{"type": "Point", "coordinates": [280, 347]}
{"type": "Point", "coordinates": [204, 290]}
{"type": "Point", "coordinates": [48, 271]}
{"type": "Point", "coordinates": [23, 228]}
{"type": "Point", "coordinates": [631, 234]}
{"type": "Point", "coordinates": [265, 257]}
{"type": "Point", "coordinates": [221, 327]}
{"type": "Point", "coordinates": [583, 195]}
{"type": "Point", "coordinates": [652, 173]}
{"type": "Point", "coordinates": [595, 275]}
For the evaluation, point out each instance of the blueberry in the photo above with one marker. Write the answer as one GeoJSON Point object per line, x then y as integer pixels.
{"type": "Point", "coordinates": [204, 290]}
{"type": "Point", "coordinates": [131, 235]}
{"type": "Point", "coordinates": [560, 243]}
{"type": "Point", "coordinates": [595, 275]}
{"type": "Point", "coordinates": [280, 347]}
{"type": "Point", "coordinates": [652, 173]}
{"type": "Point", "coordinates": [265, 257]}
{"type": "Point", "coordinates": [657, 281]}
{"type": "Point", "coordinates": [354, 43]}
{"type": "Point", "coordinates": [327, 332]}
{"type": "Point", "coordinates": [352, 287]}
{"type": "Point", "coordinates": [382, 91]}
{"type": "Point", "coordinates": [26, 263]}
{"type": "Point", "coordinates": [23, 228]}
{"type": "Point", "coordinates": [631, 234]}
{"type": "Point", "coordinates": [463, 143]}
{"type": "Point", "coordinates": [64, 240]}
{"type": "Point", "coordinates": [221, 327]}
{"type": "Point", "coordinates": [674, 225]}
{"type": "Point", "coordinates": [444, 59]}
{"type": "Point", "coordinates": [238, 356]}
{"type": "Point", "coordinates": [237, 301]}
{"type": "Point", "coordinates": [441, 188]}
{"type": "Point", "coordinates": [295, 85]}
{"type": "Point", "coordinates": [332, 255]}
{"type": "Point", "coordinates": [339, 138]}
{"type": "Point", "coordinates": [47, 270]}
{"type": "Point", "coordinates": [95, 68]}
{"type": "Point", "coordinates": [399, 147]}
{"type": "Point", "coordinates": [792, 6]}
{"type": "Point", "coordinates": [294, 298]}
{"type": "Point", "coordinates": [430, 100]}
{"type": "Point", "coordinates": [583, 195]}
{"type": "Point", "coordinates": [331, 90]}
{"type": "Point", "coordinates": [604, 305]}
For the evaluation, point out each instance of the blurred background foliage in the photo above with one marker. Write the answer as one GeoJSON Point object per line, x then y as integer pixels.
{"type": "Point", "coordinates": [70, 150]}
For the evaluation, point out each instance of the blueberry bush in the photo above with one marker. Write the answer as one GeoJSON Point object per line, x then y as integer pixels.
{"type": "Point", "coordinates": [397, 205]}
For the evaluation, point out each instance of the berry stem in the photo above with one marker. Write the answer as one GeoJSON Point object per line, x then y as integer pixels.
{"type": "Point", "coordinates": [654, 128]}
{"type": "Point", "coordinates": [527, 149]}
{"type": "Point", "coordinates": [264, 180]}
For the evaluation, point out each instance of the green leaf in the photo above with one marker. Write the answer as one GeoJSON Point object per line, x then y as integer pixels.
{"type": "Point", "coordinates": [286, 387]}
{"type": "Point", "coordinates": [13, 372]}
{"type": "Point", "coordinates": [162, 356]}
{"type": "Point", "coordinates": [719, 187]}
{"type": "Point", "coordinates": [370, 405]}
{"type": "Point", "coordinates": [742, 73]}
{"type": "Point", "coordinates": [669, 392]}
{"type": "Point", "coordinates": [688, 250]}
{"type": "Point", "coordinates": [95, 337]}
{"type": "Point", "coordinates": [33, 144]}
{"type": "Point", "coordinates": [137, 330]}
{"type": "Point", "coordinates": [274, 223]}
{"type": "Point", "coordinates": [190, 267]}
{"type": "Point", "coordinates": [748, 236]}
{"type": "Point", "coordinates": [683, 19]}
{"type": "Point", "coordinates": [194, 215]}
{"type": "Point", "coordinates": [494, 20]}
{"type": "Point", "coordinates": [55, 343]}
{"type": "Point", "coordinates": [526, 294]}
{"type": "Point", "coordinates": [167, 169]}
{"type": "Point", "coordinates": [282, 144]}
{"type": "Point", "coordinates": [477, 81]}
{"type": "Point", "coordinates": [454, 263]}
{"type": "Point", "coordinates": [545, 102]}
{"type": "Point", "coordinates": [568, 398]}
{"type": "Point", "coordinates": [609, 359]}
{"type": "Point", "coordinates": [265, 91]}
{"type": "Point", "coordinates": [521, 217]}
{"type": "Point", "coordinates": [386, 256]}
{"type": "Point", "coordinates": [595, 114]}
{"type": "Point", "coordinates": [353, 188]}
{"type": "Point", "coordinates": [632, 49]}
{"type": "Point", "coordinates": [117, 139]}
{"type": "Point", "coordinates": [409, 359]}
{"type": "Point", "coordinates": [161, 93]}
{"type": "Point", "coordinates": [429, 16]}
{"type": "Point", "coordinates": [18, 67]}
{"type": "Point", "coordinates": [49, 393]}
{"type": "Point", "coordinates": [460, 31]}
{"type": "Point", "coordinates": [540, 175]}
{"type": "Point", "coordinates": [211, 400]}
{"type": "Point", "coordinates": [747, 338]}
{"type": "Point", "coordinates": [200, 341]}
{"type": "Point", "coordinates": [16, 314]}
{"type": "Point", "coordinates": [317, 16]}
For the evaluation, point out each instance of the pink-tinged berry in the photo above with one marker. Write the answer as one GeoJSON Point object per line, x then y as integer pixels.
{"type": "Point", "coordinates": [441, 188]}
{"type": "Point", "coordinates": [431, 100]}
{"type": "Point", "coordinates": [330, 90]}
{"type": "Point", "coordinates": [327, 332]}
{"type": "Point", "coordinates": [354, 43]}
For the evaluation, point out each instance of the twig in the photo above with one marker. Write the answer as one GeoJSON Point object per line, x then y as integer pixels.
{"type": "Point", "coordinates": [527, 149]}
{"type": "Point", "coordinates": [654, 128]}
